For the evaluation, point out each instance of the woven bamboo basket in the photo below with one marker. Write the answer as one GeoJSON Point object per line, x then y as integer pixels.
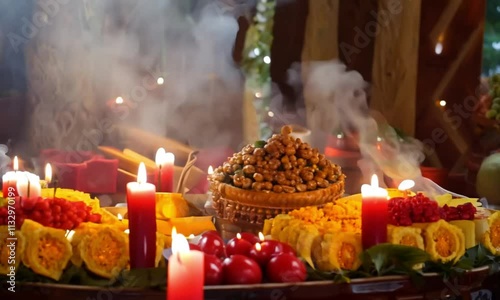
{"type": "Point", "coordinates": [247, 209]}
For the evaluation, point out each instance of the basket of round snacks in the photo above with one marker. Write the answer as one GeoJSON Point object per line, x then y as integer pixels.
{"type": "Point", "coordinates": [273, 177]}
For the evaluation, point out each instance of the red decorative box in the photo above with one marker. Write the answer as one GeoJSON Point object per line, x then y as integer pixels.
{"type": "Point", "coordinates": [85, 171]}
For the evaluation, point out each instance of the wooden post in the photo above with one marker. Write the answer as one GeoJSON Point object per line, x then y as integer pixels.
{"type": "Point", "coordinates": [396, 62]}
{"type": "Point", "coordinates": [320, 43]}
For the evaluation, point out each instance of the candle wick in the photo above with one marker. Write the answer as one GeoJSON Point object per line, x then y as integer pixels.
{"type": "Point", "coordinates": [159, 178]}
{"type": "Point", "coordinates": [29, 183]}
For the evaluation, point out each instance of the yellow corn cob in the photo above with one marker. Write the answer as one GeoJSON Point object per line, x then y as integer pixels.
{"type": "Point", "coordinates": [492, 236]}
{"type": "Point", "coordinates": [469, 230]}
{"type": "Point", "coordinates": [47, 249]}
{"type": "Point", "coordinates": [406, 235]}
{"type": "Point", "coordinates": [444, 242]}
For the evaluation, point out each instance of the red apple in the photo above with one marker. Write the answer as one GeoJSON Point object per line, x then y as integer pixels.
{"type": "Point", "coordinates": [238, 246]}
{"type": "Point", "coordinates": [239, 269]}
{"type": "Point", "coordinates": [252, 238]}
{"type": "Point", "coordinates": [213, 270]}
{"type": "Point", "coordinates": [286, 267]}
{"type": "Point", "coordinates": [212, 244]}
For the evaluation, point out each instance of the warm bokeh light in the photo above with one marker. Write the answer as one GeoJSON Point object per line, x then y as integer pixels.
{"type": "Point", "coordinates": [160, 81]}
{"type": "Point", "coordinates": [119, 100]}
{"type": "Point", "coordinates": [442, 103]}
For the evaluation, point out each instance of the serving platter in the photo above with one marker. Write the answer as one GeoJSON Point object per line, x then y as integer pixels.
{"type": "Point", "coordinates": [388, 287]}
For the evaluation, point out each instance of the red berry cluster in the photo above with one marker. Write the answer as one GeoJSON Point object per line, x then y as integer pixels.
{"type": "Point", "coordinates": [56, 213]}
{"type": "Point", "coordinates": [415, 209]}
{"type": "Point", "coordinates": [461, 212]}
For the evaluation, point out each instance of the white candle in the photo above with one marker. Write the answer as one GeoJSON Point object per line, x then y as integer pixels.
{"type": "Point", "coordinates": [28, 185]}
{"type": "Point", "coordinates": [185, 271]}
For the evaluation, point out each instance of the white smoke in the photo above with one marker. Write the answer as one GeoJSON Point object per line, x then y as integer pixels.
{"type": "Point", "coordinates": [339, 103]}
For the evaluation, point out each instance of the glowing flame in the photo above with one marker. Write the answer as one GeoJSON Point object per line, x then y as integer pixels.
{"type": "Point", "coordinates": [406, 185]}
{"type": "Point", "coordinates": [16, 164]}
{"type": "Point", "coordinates": [191, 236]}
{"type": "Point", "coordinates": [179, 244]}
{"type": "Point", "coordinates": [442, 103]}
{"type": "Point", "coordinates": [160, 81]}
{"type": "Point", "coordinates": [169, 158]}
{"type": "Point", "coordinates": [210, 170]}
{"type": "Point", "coordinates": [374, 181]}
{"type": "Point", "coordinates": [127, 231]}
{"type": "Point", "coordinates": [258, 247]}
{"type": "Point", "coordinates": [373, 189]}
{"type": "Point", "coordinates": [439, 48]}
{"type": "Point", "coordinates": [160, 157]}
{"type": "Point", "coordinates": [238, 236]}
{"type": "Point", "coordinates": [48, 173]}
{"type": "Point", "coordinates": [261, 236]}
{"type": "Point", "coordinates": [119, 100]}
{"type": "Point", "coordinates": [142, 175]}
{"type": "Point", "coordinates": [120, 217]}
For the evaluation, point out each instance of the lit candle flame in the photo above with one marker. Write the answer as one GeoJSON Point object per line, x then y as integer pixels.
{"type": "Point", "coordinates": [261, 237]}
{"type": "Point", "coordinates": [160, 81]}
{"type": "Point", "coordinates": [179, 244]}
{"type": "Point", "coordinates": [191, 236]}
{"type": "Point", "coordinates": [374, 181]}
{"type": "Point", "coordinates": [169, 158]}
{"type": "Point", "coordinates": [119, 100]}
{"type": "Point", "coordinates": [15, 164]}
{"type": "Point", "coordinates": [127, 231]}
{"type": "Point", "coordinates": [238, 236]}
{"type": "Point", "coordinates": [160, 157]}
{"type": "Point", "coordinates": [406, 185]}
{"type": "Point", "coordinates": [142, 175]}
{"type": "Point", "coordinates": [258, 247]}
{"type": "Point", "coordinates": [210, 170]}
{"type": "Point", "coordinates": [48, 173]}
{"type": "Point", "coordinates": [373, 189]}
{"type": "Point", "coordinates": [120, 217]}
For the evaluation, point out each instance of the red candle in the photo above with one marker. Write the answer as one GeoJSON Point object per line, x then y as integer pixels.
{"type": "Point", "coordinates": [9, 181]}
{"type": "Point", "coordinates": [185, 278]}
{"type": "Point", "coordinates": [164, 172]}
{"type": "Point", "coordinates": [238, 245]}
{"type": "Point", "coordinates": [373, 214]}
{"type": "Point", "coordinates": [141, 203]}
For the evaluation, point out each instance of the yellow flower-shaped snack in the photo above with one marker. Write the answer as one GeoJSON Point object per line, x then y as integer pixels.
{"type": "Point", "coordinates": [48, 251]}
{"type": "Point", "coordinates": [161, 243]}
{"type": "Point", "coordinates": [84, 229]}
{"type": "Point", "coordinates": [307, 234]}
{"type": "Point", "coordinates": [338, 251]}
{"type": "Point", "coordinates": [286, 231]}
{"type": "Point", "coordinates": [105, 251]}
{"type": "Point", "coordinates": [11, 249]}
{"type": "Point", "coordinates": [492, 236]}
{"type": "Point", "coordinates": [444, 242]}
{"type": "Point", "coordinates": [171, 205]}
{"type": "Point", "coordinates": [279, 223]}
{"type": "Point", "coordinates": [405, 235]}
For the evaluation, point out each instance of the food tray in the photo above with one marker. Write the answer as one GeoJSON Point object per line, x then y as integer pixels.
{"type": "Point", "coordinates": [388, 287]}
